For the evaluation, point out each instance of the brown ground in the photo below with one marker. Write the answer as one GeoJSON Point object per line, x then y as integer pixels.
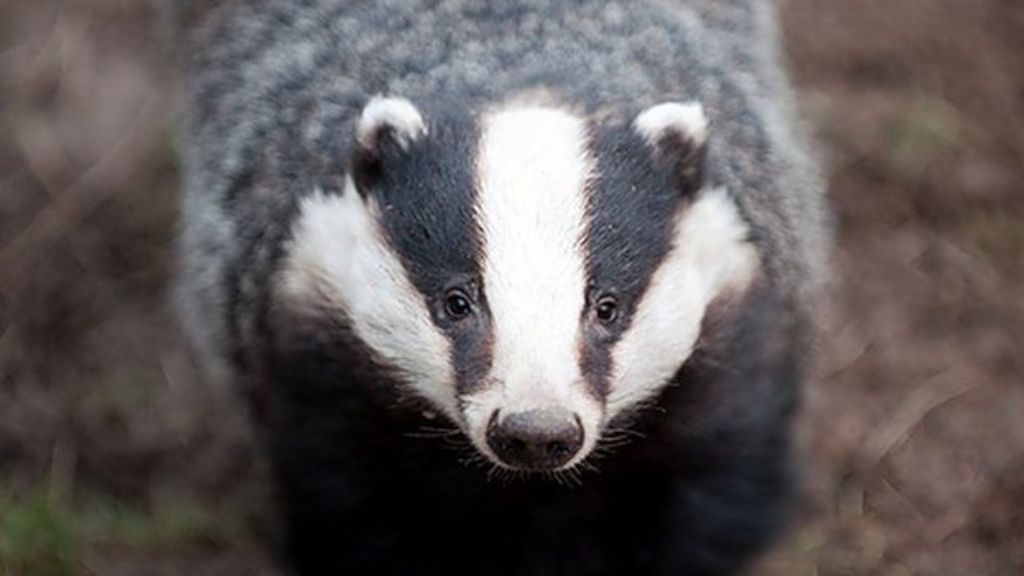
{"type": "Point", "coordinates": [113, 460]}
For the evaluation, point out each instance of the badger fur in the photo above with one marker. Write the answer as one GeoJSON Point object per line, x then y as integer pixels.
{"type": "Point", "coordinates": [515, 287]}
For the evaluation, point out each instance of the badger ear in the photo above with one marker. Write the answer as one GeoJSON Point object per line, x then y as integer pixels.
{"type": "Point", "coordinates": [387, 125]}
{"type": "Point", "coordinates": [678, 133]}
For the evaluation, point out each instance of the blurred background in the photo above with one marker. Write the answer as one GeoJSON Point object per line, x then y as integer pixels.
{"type": "Point", "coordinates": [114, 459]}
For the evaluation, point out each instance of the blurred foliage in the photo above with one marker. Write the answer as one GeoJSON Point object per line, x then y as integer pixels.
{"type": "Point", "coordinates": [998, 235]}
{"type": "Point", "coordinates": [45, 534]}
{"type": "Point", "coordinates": [36, 534]}
{"type": "Point", "coordinates": [920, 134]}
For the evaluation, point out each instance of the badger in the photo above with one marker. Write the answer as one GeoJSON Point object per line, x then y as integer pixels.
{"type": "Point", "coordinates": [520, 287]}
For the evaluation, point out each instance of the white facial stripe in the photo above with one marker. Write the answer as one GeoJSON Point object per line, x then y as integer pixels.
{"type": "Point", "coordinates": [710, 254]}
{"type": "Point", "coordinates": [338, 261]}
{"type": "Point", "coordinates": [533, 168]}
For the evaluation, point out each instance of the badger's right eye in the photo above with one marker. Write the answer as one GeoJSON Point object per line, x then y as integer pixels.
{"type": "Point", "coordinates": [457, 305]}
{"type": "Point", "coordinates": [607, 310]}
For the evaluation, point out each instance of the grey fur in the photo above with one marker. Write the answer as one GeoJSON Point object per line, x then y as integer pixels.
{"type": "Point", "coordinates": [273, 87]}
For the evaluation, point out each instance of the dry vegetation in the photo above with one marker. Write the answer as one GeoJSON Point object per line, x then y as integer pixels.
{"type": "Point", "coordinates": [115, 460]}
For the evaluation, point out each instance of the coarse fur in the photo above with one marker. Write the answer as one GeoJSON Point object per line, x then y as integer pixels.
{"type": "Point", "coordinates": [351, 164]}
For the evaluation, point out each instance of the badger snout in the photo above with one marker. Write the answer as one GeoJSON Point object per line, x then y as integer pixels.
{"type": "Point", "coordinates": [540, 439]}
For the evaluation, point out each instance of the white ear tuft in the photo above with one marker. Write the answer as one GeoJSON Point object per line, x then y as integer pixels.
{"type": "Point", "coordinates": [685, 122]}
{"type": "Point", "coordinates": [396, 115]}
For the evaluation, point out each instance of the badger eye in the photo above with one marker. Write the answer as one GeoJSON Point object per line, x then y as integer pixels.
{"type": "Point", "coordinates": [607, 310]}
{"type": "Point", "coordinates": [457, 305]}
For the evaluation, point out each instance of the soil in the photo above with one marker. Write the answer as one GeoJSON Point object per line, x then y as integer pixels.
{"type": "Point", "coordinates": [912, 432]}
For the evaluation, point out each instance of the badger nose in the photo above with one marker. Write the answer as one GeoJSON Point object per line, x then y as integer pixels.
{"type": "Point", "coordinates": [535, 439]}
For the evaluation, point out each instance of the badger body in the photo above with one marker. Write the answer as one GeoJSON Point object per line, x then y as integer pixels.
{"type": "Point", "coordinates": [511, 288]}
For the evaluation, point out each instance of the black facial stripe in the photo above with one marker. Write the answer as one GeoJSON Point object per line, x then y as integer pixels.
{"type": "Point", "coordinates": [427, 194]}
{"type": "Point", "coordinates": [631, 207]}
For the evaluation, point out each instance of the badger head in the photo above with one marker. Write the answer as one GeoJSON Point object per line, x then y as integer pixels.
{"type": "Point", "coordinates": [531, 274]}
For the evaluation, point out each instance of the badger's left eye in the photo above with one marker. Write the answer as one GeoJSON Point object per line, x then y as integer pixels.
{"type": "Point", "coordinates": [457, 305]}
{"type": "Point", "coordinates": [606, 310]}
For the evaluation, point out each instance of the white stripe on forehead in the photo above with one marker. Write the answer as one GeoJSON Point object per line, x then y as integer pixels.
{"type": "Point", "coordinates": [532, 171]}
{"type": "Point", "coordinates": [710, 254]}
{"type": "Point", "coordinates": [338, 261]}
